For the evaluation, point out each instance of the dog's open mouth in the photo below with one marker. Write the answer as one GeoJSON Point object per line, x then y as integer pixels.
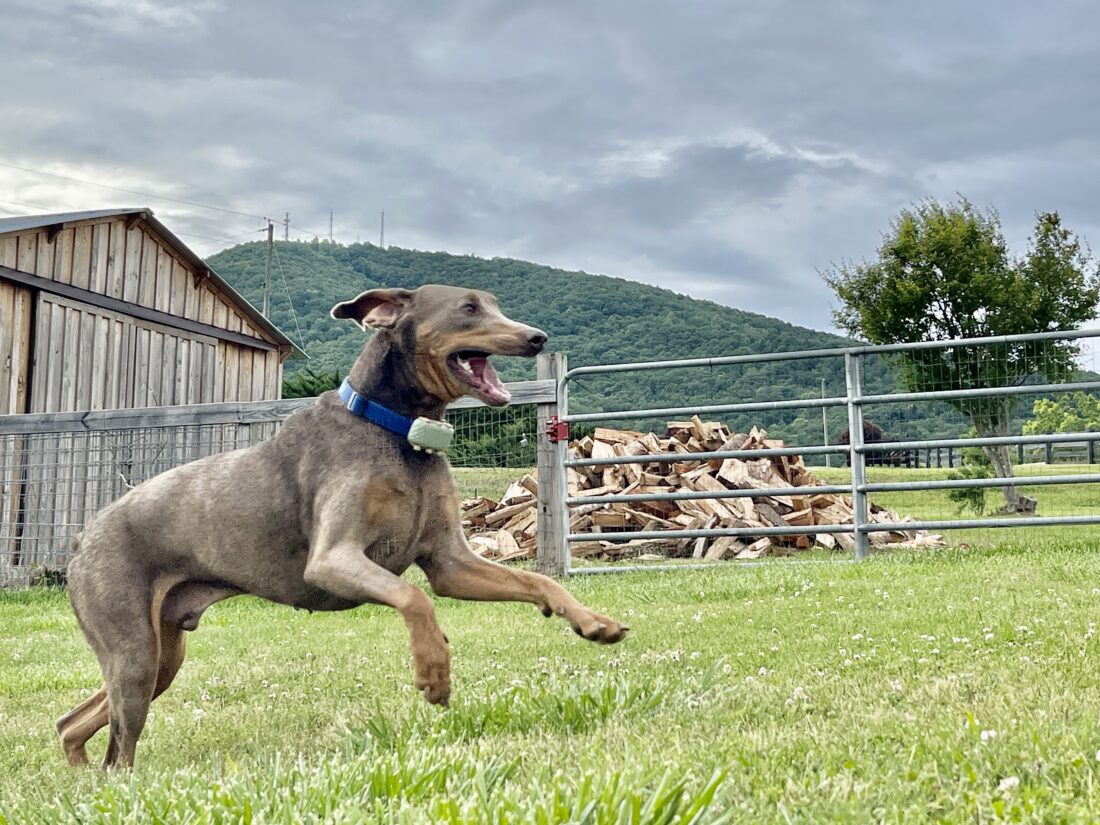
{"type": "Point", "coordinates": [472, 368]}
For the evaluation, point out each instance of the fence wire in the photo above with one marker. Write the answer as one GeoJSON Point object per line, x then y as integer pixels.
{"type": "Point", "coordinates": [910, 399]}
{"type": "Point", "coordinates": [52, 483]}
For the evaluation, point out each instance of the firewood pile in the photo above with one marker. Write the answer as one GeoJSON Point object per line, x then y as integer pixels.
{"type": "Point", "coordinates": [505, 530]}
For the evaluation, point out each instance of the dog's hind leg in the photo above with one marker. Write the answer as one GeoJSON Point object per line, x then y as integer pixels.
{"type": "Point", "coordinates": [172, 650]}
{"type": "Point", "coordinates": [129, 652]}
{"type": "Point", "coordinates": [79, 725]}
{"type": "Point", "coordinates": [131, 673]}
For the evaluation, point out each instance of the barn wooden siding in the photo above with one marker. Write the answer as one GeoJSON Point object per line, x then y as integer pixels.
{"type": "Point", "coordinates": [168, 335]}
{"type": "Point", "coordinates": [88, 357]}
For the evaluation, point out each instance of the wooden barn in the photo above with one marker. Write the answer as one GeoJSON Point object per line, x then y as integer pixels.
{"type": "Point", "coordinates": [109, 310]}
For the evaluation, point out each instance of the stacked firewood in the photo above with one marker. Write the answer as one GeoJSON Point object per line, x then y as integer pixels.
{"type": "Point", "coordinates": [506, 529]}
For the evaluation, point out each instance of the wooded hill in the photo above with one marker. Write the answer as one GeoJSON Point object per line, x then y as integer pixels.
{"type": "Point", "coordinates": [594, 319]}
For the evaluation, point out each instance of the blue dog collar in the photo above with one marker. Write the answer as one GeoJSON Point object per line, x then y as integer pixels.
{"type": "Point", "coordinates": [374, 412]}
{"type": "Point", "coordinates": [425, 434]}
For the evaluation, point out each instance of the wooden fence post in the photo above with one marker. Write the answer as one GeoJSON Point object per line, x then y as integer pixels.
{"type": "Point", "coordinates": [552, 555]}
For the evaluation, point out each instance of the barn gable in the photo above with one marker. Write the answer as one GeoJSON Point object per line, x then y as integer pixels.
{"type": "Point", "coordinates": [109, 309]}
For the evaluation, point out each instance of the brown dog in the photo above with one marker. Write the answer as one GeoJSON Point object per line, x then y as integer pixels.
{"type": "Point", "coordinates": [324, 516]}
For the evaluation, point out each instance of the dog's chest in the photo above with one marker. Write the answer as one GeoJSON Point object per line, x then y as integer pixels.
{"type": "Point", "coordinates": [407, 519]}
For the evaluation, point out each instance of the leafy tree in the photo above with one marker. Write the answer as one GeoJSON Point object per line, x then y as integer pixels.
{"type": "Point", "coordinates": [307, 383]}
{"type": "Point", "coordinates": [943, 272]}
{"type": "Point", "coordinates": [1076, 412]}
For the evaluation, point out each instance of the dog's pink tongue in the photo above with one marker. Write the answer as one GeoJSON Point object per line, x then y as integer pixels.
{"type": "Point", "coordinates": [488, 382]}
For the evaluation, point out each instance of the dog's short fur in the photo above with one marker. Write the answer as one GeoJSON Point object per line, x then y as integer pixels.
{"type": "Point", "coordinates": [324, 516]}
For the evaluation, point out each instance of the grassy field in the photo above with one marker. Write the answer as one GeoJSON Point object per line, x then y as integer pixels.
{"type": "Point", "coordinates": [951, 686]}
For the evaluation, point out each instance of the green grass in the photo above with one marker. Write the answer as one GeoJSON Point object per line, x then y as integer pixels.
{"type": "Point", "coordinates": [948, 686]}
{"type": "Point", "coordinates": [488, 482]}
{"type": "Point", "coordinates": [1054, 500]}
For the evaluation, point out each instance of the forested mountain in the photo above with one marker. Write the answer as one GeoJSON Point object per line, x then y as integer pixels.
{"type": "Point", "coordinates": [593, 319]}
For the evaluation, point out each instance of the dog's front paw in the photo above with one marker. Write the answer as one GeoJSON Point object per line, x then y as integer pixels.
{"type": "Point", "coordinates": [602, 629]}
{"type": "Point", "coordinates": [433, 671]}
{"type": "Point", "coordinates": [435, 688]}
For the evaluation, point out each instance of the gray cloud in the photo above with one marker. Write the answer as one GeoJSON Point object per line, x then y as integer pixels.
{"type": "Point", "coordinates": [727, 150]}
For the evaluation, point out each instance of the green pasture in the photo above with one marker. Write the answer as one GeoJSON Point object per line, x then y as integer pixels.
{"type": "Point", "coordinates": [958, 685]}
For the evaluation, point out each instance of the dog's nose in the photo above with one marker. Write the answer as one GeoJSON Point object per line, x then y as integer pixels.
{"type": "Point", "coordinates": [535, 339]}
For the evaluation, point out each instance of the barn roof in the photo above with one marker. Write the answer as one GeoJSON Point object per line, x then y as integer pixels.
{"type": "Point", "coordinates": [24, 223]}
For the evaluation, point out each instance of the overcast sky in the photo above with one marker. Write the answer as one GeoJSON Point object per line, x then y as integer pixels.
{"type": "Point", "coordinates": [725, 150]}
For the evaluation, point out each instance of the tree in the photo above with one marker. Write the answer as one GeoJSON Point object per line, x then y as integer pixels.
{"type": "Point", "coordinates": [944, 272]}
{"type": "Point", "coordinates": [1076, 412]}
{"type": "Point", "coordinates": [307, 383]}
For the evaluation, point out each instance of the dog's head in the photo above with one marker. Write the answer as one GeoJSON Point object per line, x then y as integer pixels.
{"type": "Point", "coordinates": [452, 331]}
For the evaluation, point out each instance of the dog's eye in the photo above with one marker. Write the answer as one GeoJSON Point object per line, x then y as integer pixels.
{"type": "Point", "coordinates": [470, 308]}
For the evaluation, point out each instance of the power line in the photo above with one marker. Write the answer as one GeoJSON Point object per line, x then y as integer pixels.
{"type": "Point", "coordinates": [132, 191]}
{"type": "Point", "coordinates": [147, 195]}
{"type": "Point", "coordinates": [227, 238]}
{"type": "Point", "coordinates": [286, 289]}
{"type": "Point", "coordinates": [185, 234]}
{"type": "Point", "coordinates": [29, 205]}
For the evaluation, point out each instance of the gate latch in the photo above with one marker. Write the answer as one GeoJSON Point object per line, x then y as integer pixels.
{"type": "Point", "coordinates": [557, 430]}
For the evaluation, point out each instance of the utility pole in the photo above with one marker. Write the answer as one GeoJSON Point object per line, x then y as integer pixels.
{"type": "Point", "coordinates": [825, 426]}
{"type": "Point", "coordinates": [330, 226]}
{"type": "Point", "coordinates": [267, 269]}
{"type": "Point", "coordinates": [382, 232]}
{"type": "Point", "coordinates": [286, 227]}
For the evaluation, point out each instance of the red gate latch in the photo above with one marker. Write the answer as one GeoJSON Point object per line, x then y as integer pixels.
{"type": "Point", "coordinates": [557, 430]}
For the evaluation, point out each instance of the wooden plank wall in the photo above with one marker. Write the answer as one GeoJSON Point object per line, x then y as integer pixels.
{"type": "Point", "coordinates": [130, 263]}
{"type": "Point", "coordinates": [15, 340]}
{"type": "Point", "coordinates": [15, 335]}
{"type": "Point", "coordinates": [88, 358]}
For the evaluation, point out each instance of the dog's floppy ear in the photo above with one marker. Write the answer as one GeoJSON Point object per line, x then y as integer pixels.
{"type": "Point", "coordinates": [375, 308]}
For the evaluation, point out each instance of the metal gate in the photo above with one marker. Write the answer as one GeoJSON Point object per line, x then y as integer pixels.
{"type": "Point", "coordinates": [965, 388]}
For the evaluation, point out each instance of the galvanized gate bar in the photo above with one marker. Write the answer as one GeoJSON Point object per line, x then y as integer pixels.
{"type": "Point", "coordinates": [979, 392]}
{"type": "Point", "coordinates": [963, 483]}
{"type": "Point", "coordinates": [987, 441]}
{"type": "Point", "coordinates": [695, 495]}
{"type": "Point", "coordinates": [835, 352]}
{"type": "Point", "coordinates": [748, 406]}
{"type": "Point", "coordinates": [792, 530]}
{"type": "Point", "coordinates": [946, 524]}
{"type": "Point", "coordinates": [853, 382]}
{"type": "Point", "coordinates": [855, 401]}
{"type": "Point", "coordinates": [714, 455]}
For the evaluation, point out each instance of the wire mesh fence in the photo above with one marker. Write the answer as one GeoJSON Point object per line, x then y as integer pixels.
{"type": "Point", "coordinates": [58, 470]}
{"type": "Point", "coordinates": [970, 436]}
{"type": "Point", "coordinates": [52, 483]}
